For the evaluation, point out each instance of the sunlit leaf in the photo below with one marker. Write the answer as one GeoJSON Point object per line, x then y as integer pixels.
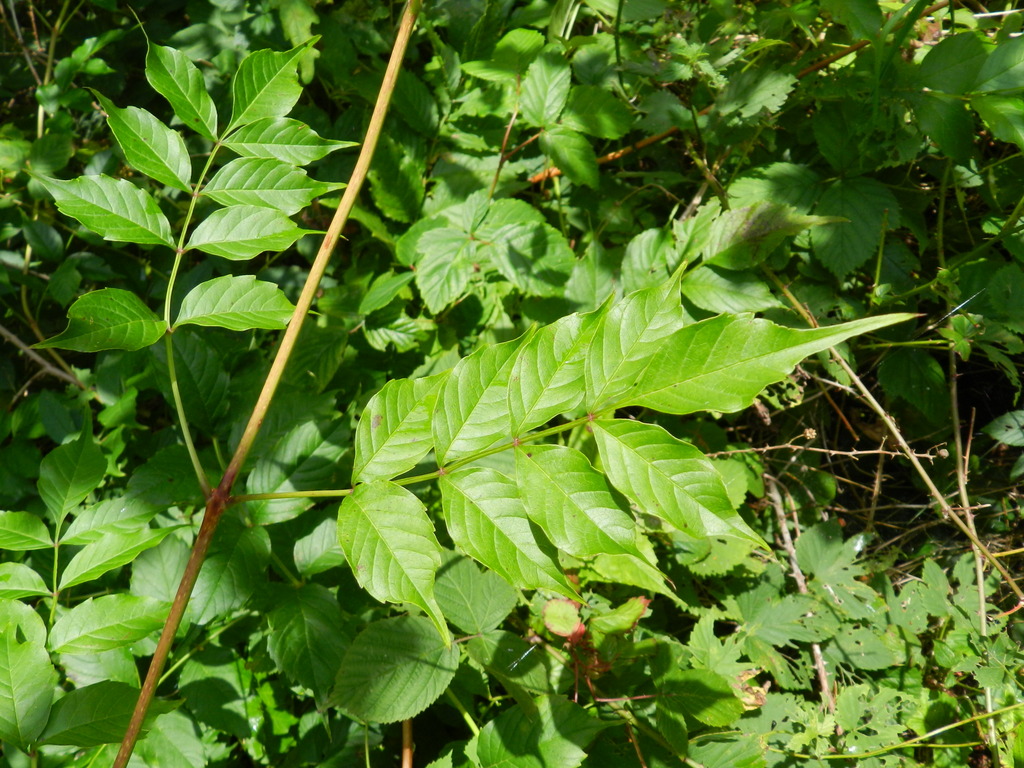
{"type": "Point", "coordinates": [149, 146]}
{"type": "Point", "coordinates": [240, 232]}
{"type": "Point", "coordinates": [109, 552]}
{"type": "Point", "coordinates": [266, 85]}
{"type": "Point", "coordinates": [668, 478]}
{"type": "Point", "coordinates": [284, 139]}
{"type": "Point", "coordinates": [265, 182]}
{"type": "Point", "coordinates": [107, 622]}
{"type": "Point", "coordinates": [27, 678]}
{"type": "Point", "coordinates": [394, 430]}
{"type": "Point", "coordinates": [389, 543]}
{"type": "Point", "coordinates": [238, 303]}
{"type": "Point", "coordinates": [173, 75]}
{"type": "Point", "coordinates": [69, 473]}
{"type": "Point", "coordinates": [114, 208]}
{"type": "Point", "coordinates": [723, 363]}
{"type": "Point", "coordinates": [487, 520]}
{"type": "Point", "coordinates": [110, 318]}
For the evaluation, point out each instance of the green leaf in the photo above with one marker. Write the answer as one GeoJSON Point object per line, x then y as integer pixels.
{"type": "Point", "coordinates": [554, 732]}
{"type": "Point", "coordinates": [394, 431]}
{"type": "Point", "coordinates": [626, 337]}
{"type": "Point", "coordinates": [318, 551]}
{"type": "Point", "coordinates": [545, 88]}
{"type": "Point", "coordinates": [1003, 69]}
{"type": "Point", "coordinates": [306, 458]}
{"type": "Point", "coordinates": [741, 238]}
{"type": "Point", "coordinates": [149, 146]}
{"type": "Point", "coordinates": [723, 363]}
{"type": "Point", "coordinates": [395, 669]}
{"type": "Point", "coordinates": [307, 638]}
{"type": "Point", "coordinates": [383, 290]}
{"type": "Point", "coordinates": [754, 92]}
{"type": "Point", "coordinates": [596, 111]}
{"type": "Point", "coordinates": [238, 303]}
{"type": "Point", "coordinates": [266, 85]}
{"type": "Point", "coordinates": [954, 64]}
{"type": "Point", "coordinates": [474, 602]}
{"type": "Point", "coordinates": [173, 75]}
{"type": "Point", "coordinates": [172, 742]}
{"type": "Point", "coordinates": [389, 543]}
{"type": "Point", "coordinates": [109, 318]}
{"type": "Point", "coordinates": [69, 473]}
{"type": "Point", "coordinates": [115, 209]}
{"type": "Point", "coordinates": [487, 520]}
{"type": "Point", "coordinates": [103, 623]}
{"type": "Point", "coordinates": [572, 504]}
{"type": "Point", "coordinates": [785, 183]}
{"type": "Point", "coordinates": [545, 378]}
{"type": "Point", "coordinates": [446, 266]}
{"type": "Point", "coordinates": [533, 256]}
{"type": "Point", "coordinates": [27, 678]}
{"type": "Point", "coordinates": [472, 411]}
{"type": "Point", "coordinates": [18, 580]}
{"type": "Point", "coordinates": [572, 153]}
{"type": "Point", "coordinates": [119, 515]}
{"type": "Point", "coordinates": [21, 531]}
{"type": "Point", "coordinates": [512, 55]}
{"type": "Point", "coordinates": [721, 291]}
{"type": "Point", "coordinates": [109, 552]}
{"type": "Point", "coordinates": [862, 17]}
{"type": "Point", "coordinates": [918, 378]}
{"type": "Point", "coordinates": [1003, 115]}
{"type": "Point", "coordinates": [240, 232]}
{"type": "Point", "coordinates": [1008, 429]}
{"type": "Point", "coordinates": [867, 204]}
{"type": "Point", "coordinates": [265, 182]}
{"type": "Point", "coordinates": [96, 714]}
{"type": "Point", "coordinates": [284, 139]}
{"type": "Point", "coordinates": [702, 695]}
{"type": "Point", "coordinates": [669, 479]}
{"type": "Point", "coordinates": [235, 568]}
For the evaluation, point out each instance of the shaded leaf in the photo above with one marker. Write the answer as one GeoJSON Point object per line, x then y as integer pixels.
{"type": "Point", "coordinates": [395, 669]}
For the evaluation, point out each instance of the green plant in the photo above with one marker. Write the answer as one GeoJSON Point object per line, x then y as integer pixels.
{"type": "Point", "coordinates": [496, 366]}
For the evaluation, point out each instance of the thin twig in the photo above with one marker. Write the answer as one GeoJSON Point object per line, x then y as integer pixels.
{"type": "Point", "coordinates": [820, 667]}
{"type": "Point", "coordinates": [39, 360]}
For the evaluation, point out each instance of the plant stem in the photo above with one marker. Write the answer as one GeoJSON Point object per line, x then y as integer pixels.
{"type": "Point", "coordinates": [220, 496]}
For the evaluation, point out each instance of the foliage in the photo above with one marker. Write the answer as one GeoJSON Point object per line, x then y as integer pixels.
{"type": "Point", "coordinates": [535, 477]}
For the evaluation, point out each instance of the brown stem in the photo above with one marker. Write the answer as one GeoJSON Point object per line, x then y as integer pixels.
{"type": "Point", "coordinates": [221, 495]}
{"type": "Point", "coordinates": [408, 746]}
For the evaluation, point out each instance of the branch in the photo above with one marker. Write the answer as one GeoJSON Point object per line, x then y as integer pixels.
{"type": "Point", "coordinates": [221, 495]}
